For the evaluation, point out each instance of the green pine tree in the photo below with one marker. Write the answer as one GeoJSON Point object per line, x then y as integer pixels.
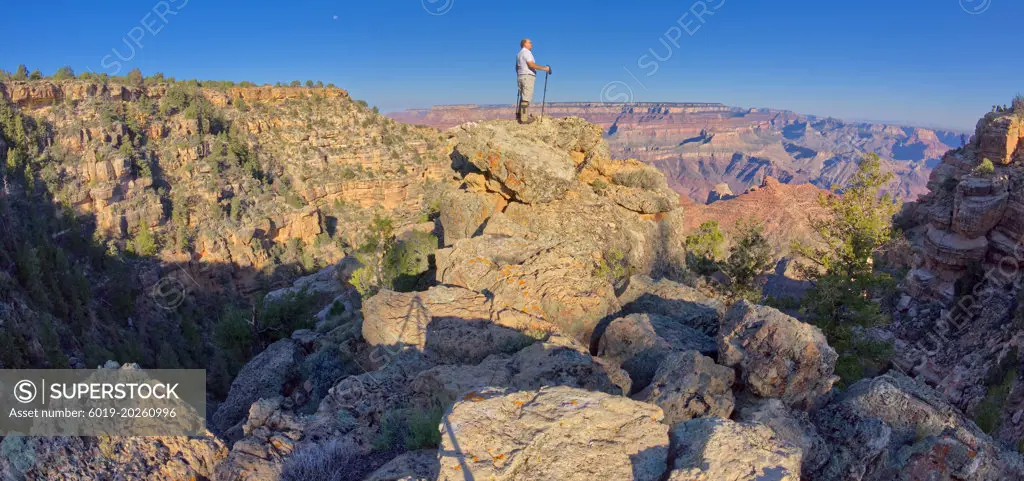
{"type": "Point", "coordinates": [751, 256]}
{"type": "Point", "coordinates": [21, 73]}
{"type": "Point", "coordinates": [704, 248]}
{"type": "Point", "coordinates": [847, 284]}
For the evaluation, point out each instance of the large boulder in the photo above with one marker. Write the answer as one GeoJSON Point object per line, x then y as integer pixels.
{"type": "Point", "coordinates": [554, 433]}
{"type": "Point", "coordinates": [464, 213]}
{"type": "Point", "coordinates": [715, 449]}
{"type": "Point", "coordinates": [776, 355]}
{"type": "Point", "coordinates": [450, 382]}
{"type": "Point", "coordinates": [536, 366]}
{"type": "Point", "coordinates": [640, 342]}
{"type": "Point", "coordinates": [533, 170]}
{"type": "Point", "coordinates": [262, 377]}
{"type": "Point", "coordinates": [401, 319]}
{"type": "Point", "coordinates": [688, 385]}
{"type": "Point", "coordinates": [895, 428]}
{"type": "Point", "coordinates": [534, 277]}
{"type": "Point", "coordinates": [998, 137]}
{"type": "Point", "coordinates": [590, 226]}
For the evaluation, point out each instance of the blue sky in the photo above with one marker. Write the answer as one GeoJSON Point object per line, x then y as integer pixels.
{"type": "Point", "coordinates": [926, 62]}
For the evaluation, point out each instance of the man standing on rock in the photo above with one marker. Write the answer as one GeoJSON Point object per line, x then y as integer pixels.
{"type": "Point", "coordinates": [526, 70]}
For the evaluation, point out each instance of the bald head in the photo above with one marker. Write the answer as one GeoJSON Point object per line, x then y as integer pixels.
{"type": "Point", "coordinates": [526, 43]}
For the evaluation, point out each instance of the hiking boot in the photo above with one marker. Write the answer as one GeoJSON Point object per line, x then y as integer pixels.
{"type": "Point", "coordinates": [531, 120]}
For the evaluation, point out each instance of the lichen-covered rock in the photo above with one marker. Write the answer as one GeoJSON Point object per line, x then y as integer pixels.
{"type": "Point", "coordinates": [776, 355]}
{"type": "Point", "coordinates": [463, 213]}
{"type": "Point", "coordinates": [586, 225]}
{"type": "Point", "coordinates": [639, 343]}
{"type": "Point", "coordinates": [792, 426]}
{"type": "Point", "coordinates": [534, 170]}
{"type": "Point", "coordinates": [449, 382]}
{"type": "Point", "coordinates": [534, 277]}
{"type": "Point", "coordinates": [419, 465]}
{"type": "Point", "coordinates": [457, 341]}
{"type": "Point", "coordinates": [893, 427]}
{"type": "Point", "coordinates": [715, 449]}
{"type": "Point", "coordinates": [688, 385]}
{"type": "Point", "coordinates": [92, 458]}
{"type": "Point", "coordinates": [401, 319]}
{"type": "Point", "coordinates": [554, 433]}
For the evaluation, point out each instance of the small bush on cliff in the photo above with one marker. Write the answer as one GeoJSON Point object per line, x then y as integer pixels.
{"type": "Point", "coordinates": [613, 267]}
{"type": "Point", "coordinates": [1018, 104]}
{"type": "Point", "coordinates": [391, 263]}
{"type": "Point", "coordinates": [848, 288]}
{"type": "Point", "coordinates": [704, 248]}
{"type": "Point", "coordinates": [144, 244]}
{"type": "Point", "coordinates": [333, 460]}
{"type": "Point", "coordinates": [751, 256]}
{"type": "Point", "coordinates": [985, 168]}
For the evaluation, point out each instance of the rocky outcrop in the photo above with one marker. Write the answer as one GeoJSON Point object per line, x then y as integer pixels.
{"type": "Point", "coordinates": [777, 356]}
{"type": "Point", "coordinates": [718, 449]}
{"type": "Point", "coordinates": [720, 192]}
{"type": "Point", "coordinates": [970, 217]}
{"type": "Point", "coordinates": [893, 427]}
{"type": "Point", "coordinates": [552, 433]}
{"type": "Point", "coordinates": [533, 170]}
{"type": "Point", "coordinates": [997, 137]}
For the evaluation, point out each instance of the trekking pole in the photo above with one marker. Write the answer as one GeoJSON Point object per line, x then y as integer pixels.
{"type": "Point", "coordinates": [519, 101]}
{"type": "Point", "coordinates": [545, 101]}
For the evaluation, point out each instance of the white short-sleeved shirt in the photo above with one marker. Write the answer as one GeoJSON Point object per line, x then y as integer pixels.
{"type": "Point", "coordinates": [523, 62]}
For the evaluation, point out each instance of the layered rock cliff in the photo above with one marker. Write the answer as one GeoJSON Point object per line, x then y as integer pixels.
{"type": "Point", "coordinates": [960, 326]}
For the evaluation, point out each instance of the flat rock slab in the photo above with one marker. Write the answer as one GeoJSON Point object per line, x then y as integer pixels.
{"type": "Point", "coordinates": [556, 433]}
